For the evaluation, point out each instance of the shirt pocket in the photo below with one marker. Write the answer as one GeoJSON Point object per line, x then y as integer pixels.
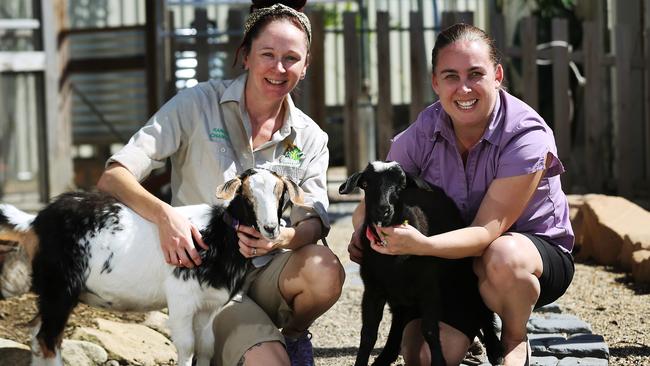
{"type": "Point", "coordinates": [225, 157]}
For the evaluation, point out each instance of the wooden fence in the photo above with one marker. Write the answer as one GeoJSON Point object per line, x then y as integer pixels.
{"type": "Point", "coordinates": [605, 147]}
{"type": "Point", "coordinates": [609, 149]}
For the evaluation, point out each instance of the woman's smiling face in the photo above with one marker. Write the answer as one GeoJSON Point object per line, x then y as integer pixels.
{"type": "Point", "coordinates": [277, 59]}
{"type": "Point", "coordinates": [467, 82]}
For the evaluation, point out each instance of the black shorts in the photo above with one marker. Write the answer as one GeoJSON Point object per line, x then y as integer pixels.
{"type": "Point", "coordinates": [557, 273]}
{"type": "Point", "coordinates": [556, 278]}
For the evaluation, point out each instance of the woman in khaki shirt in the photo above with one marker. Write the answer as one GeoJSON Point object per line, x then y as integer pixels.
{"type": "Point", "coordinates": [211, 133]}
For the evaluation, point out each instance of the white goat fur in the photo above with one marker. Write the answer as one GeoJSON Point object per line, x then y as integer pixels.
{"type": "Point", "coordinates": [139, 279]}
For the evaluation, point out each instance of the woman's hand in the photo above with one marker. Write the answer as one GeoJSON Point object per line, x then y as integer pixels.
{"type": "Point", "coordinates": [176, 233]}
{"type": "Point", "coordinates": [253, 244]}
{"type": "Point", "coordinates": [394, 240]}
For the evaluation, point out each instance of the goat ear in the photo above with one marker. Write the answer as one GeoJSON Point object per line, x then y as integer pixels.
{"type": "Point", "coordinates": [350, 184]}
{"type": "Point", "coordinates": [294, 191]}
{"type": "Point", "coordinates": [417, 182]}
{"type": "Point", "coordinates": [227, 190]}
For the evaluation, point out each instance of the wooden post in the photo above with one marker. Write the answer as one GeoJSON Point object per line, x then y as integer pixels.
{"type": "Point", "coordinates": [529, 62]}
{"type": "Point", "coordinates": [57, 174]}
{"type": "Point", "coordinates": [201, 46]}
{"type": "Point", "coordinates": [561, 122]}
{"type": "Point", "coordinates": [235, 36]}
{"type": "Point", "coordinates": [420, 77]}
{"type": "Point", "coordinates": [313, 87]}
{"type": "Point", "coordinates": [646, 68]}
{"type": "Point", "coordinates": [623, 124]}
{"type": "Point", "coordinates": [352, 91]}
{"type": "Point", "coordinates": [154, 54]}
{"type": "Point", "coordinates": [384, 101]}
{"type": "Point", "coordinates": [169, 60]}
{"type": "Point", "coordinates": [450, 18]}
{"type": "Point", "coordinates": [498, 32]}
{"type": "Point", "coordinates": [594, 122]}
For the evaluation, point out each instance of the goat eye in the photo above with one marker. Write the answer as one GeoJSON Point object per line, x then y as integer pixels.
{"type": "Point", "coordinates": [364, 185]}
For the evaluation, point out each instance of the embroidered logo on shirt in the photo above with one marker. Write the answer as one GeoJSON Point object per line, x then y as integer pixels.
{"type": "Point", "coordinates": [292, 155]}
{"type": "Point", "coordinates": [218, 134]}
{"type": "Point", "coordinates": [293, 152]}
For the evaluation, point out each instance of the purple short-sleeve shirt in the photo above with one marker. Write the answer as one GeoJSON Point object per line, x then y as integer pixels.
{"type": "Point", "coordinates": [516, 142]}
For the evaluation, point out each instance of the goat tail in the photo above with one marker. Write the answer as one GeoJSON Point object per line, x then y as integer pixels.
{"type": "Point", "coordinates": [18, 245]}
{"type": "Point", "coordinates": [13, 222]}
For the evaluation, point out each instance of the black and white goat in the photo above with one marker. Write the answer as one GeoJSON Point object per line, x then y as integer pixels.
{"type": "Point", "coordinates": [88, 247]}
{"type": "Point", "coordinates": [414, 286]}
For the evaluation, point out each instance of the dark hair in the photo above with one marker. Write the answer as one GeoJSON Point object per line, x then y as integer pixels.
{"type": "Point", "coordinates": [462, 32]}
{"type": "Point", "coordinates": [295, 4]}
{"type": "Point", "coordinates": [245, 46]}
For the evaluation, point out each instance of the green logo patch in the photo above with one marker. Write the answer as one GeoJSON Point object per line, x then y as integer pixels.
{"type": "Point", "coordinates": [218, 134]}
{"type": "Point", "coordinates": [293, 152]}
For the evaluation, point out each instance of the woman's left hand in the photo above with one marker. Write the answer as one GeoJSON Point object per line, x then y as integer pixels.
{"type": "Point", "coordinates": [252, 243]}
{"type": "Point", "coordinates": [399, 239]}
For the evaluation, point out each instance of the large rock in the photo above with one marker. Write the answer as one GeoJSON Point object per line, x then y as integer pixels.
{"type": "Point", "coordinates": [14, 353]}
{"type": "Point", "coordinates": [82, 353]}
{"type": "Point", "coordinates": [15, 272]}
{"type": "Point", "coordinates": [607, 220]}
{"type": "Point", "coordinates": [129, 343]}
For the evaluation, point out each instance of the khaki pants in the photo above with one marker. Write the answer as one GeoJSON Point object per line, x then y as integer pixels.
{"type": "Point", "coordinates": [254, 319]}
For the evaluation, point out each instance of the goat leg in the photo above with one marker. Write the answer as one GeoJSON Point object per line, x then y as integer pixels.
{"type": "Point", "coordinates": [401, 316]}
{"type": "Point", "coordinates": [431, 331]}
{"type": "Point", "coordinates": [493, 346]}
{"type": "Point", "coordinates": [372, 308]}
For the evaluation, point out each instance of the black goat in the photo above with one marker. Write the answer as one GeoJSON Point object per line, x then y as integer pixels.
{"type": "Point", "coordinates": [414, 286]}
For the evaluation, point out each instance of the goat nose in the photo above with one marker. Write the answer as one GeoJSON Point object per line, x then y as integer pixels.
{"type": "Point", "coordinates": [269, 228]}
{"type": "Point", "coordinates": [383, 211]}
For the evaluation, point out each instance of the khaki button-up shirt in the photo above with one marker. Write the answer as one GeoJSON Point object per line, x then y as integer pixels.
{"type": "Point", "coordinates": [206, 133]}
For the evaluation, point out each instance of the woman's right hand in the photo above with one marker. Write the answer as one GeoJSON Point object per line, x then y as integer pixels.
{"type": "Point", "coordinates": [176, 233]}
{"type": "Point", "coordinates": [354, 248]}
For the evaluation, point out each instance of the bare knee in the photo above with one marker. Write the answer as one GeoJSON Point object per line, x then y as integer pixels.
{"type": "Point", "coordinates": [501, 263]}
{"type": "Point", "coordinates": [266, 353]}
{"type": "Point", "coordinates": [319, 271]}
{"type": "Point", "coordinates": [414, 349]}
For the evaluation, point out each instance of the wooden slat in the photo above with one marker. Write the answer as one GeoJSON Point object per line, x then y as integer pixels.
{"type": "Point", "coordinates": [624, 159]}
{"type": "Point", "coordinates": [529, 62]}
{"type": "Point", "coordinates": [561, 122]}
{"type": "Point", "coordinates": [106, 64]}
{"type": "Point", "coordinates": [201, 48]}
{"type": "Point", "coordinates": [384, 103]}
{"type": "Point", "coordinates": [594, 121]}
{"type": "Point", "coordinates": [56, 158]}
{"type": "Point", "coordinates": [352, 90]}
{"type": "Point", "coordinates": [646, 142]}
{"type": "Point", "coordinates": [498, 32]}
{"type": "Point", "coordinates": [418, 65]}
{"type": "Point", "coordinates": [22, 61]}
{"type": "Point", "coordinates": [316, 72]}
{"type": "Point", "coordinates": [646, 66]}
{"type": "Point", "coordinates": [19, 24]}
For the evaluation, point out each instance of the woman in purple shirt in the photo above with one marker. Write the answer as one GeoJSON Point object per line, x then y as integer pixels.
{"type": "Point", "coordinates": [497, 159]}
